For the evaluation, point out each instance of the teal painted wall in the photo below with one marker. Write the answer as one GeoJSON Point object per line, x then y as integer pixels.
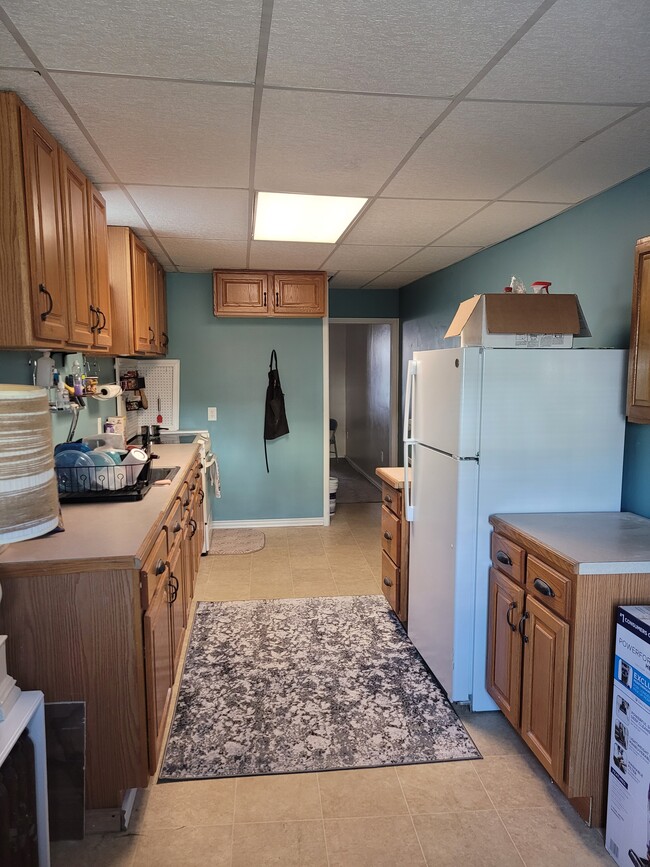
{"type": "Point", "coordinates": [224, 363]}
{"type": "Point", "coordinates": [14, 368]}
{"type": "Point", "coordinates": [588, 250]}
{"type": "Point", "coordinates": [364, 303]}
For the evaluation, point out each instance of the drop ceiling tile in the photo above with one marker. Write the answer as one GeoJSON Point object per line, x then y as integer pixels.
{"type": "Point", "coordinates": [348, 147]}
{"type": "Point", "coordinates": [282, 255]}
{"type": "Point", "coordinates": [352, 279]}
{"type": "Point", "coordinates": [409, 221]}
{"type": "Point", "coordinates": [396, 279]}
{"type": "Point", "coordinates": [353, 257]}
{"type": "Point", "coordinates": [10, 52]}
{"type": "Point", "coordinates": [189, 212]}
{"type": "Point", "coordinates": [196, 254]}
{"type": "Point", "coordinates": [156, 132]}
{"type": "Point", "coordinates": [434, 258]}
{"type": "Point", "coordinates": [499, 221]}
{"type": "Point", "coordinates": [194, 39]}
{"type": "Point", "coordinates": [607, 159]}
{"type": "Point", "coordinates": [481, 149]}
{"type": "Point", "coordinates": [119, 209]}
{"type": "Point", "coordinates": [581, 52]}
{"type": "Point", "coordinates": [419, 47]}
{"type": "Point", "coordinates": [39, 97]}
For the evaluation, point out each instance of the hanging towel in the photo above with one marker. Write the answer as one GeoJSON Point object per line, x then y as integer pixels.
{"type": "Point", "coordinates": [275, 416]}
{"type": "Point", "coordinates": [214, 479]}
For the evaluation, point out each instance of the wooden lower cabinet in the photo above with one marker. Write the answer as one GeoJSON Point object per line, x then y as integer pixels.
{"type": "Point", "coordinates": [506, 606]}
{"type": "Point", "coordinates": [394, 541]}
{"type": "Point", "coordinates": [158, 655]}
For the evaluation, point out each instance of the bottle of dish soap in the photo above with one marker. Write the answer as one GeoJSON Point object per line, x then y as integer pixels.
{"type": "Point", "coordinates": [77, 382]}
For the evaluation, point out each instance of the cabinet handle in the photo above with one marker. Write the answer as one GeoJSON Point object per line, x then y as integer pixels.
{"type": "Point", "coordinates": [264, 300]}
{"type": "Point", "coordinates": [94, 310]}
{"type": "Point", "coordinates": [176, 528]}
{"type": "Point", "coordinates": [194, 527]}
{"type": "Point", "coordinates": [502, 557]}
{"type": "Point", "coordinates": [388, 499]}
{"type": "Point", "coordinates": [388, 582]}
{"type": "Point", "coordinates": [165, 340]}
{"type": "Point", "coordinates": [511, 607]}
{"type": "Point", "coordinates": [193, 486]}
{"type": "Point", "coordinates": [202, 495]}
{"type": "Point", "coordinates": [50, 301]}
{"type": "Point", "coordinates": [103, 325]}
{"type": "Point", "coordinates": [544, 588]}
{"type": "Point", "coordinates": [388, 536]}
{"type": "Point", "coordinates": [522, 625]}
{"type": "Point", "coordinates": [160, 567]}
{"type": "Point", "coordinates": [153, 335]}
{"type": "Point", "coordinates": [277, 299]}
{"type": "Point", "coordinates": [173, 596]}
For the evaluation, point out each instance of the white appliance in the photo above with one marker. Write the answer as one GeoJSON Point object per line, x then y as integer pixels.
{"type": "Point", "coordinates": [627, 835]}
{"type": "Point", "coordinates": [202, 437]}
{"type": "Point", "coordinates": [497, 430]}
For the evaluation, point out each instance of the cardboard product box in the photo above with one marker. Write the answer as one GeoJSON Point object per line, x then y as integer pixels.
{"type": "Point", "coordinates": [115, 424]}
{"type": "Point", "coordinates": [505, 321]}
{"type": "Point", "coordinates": [627, 833]}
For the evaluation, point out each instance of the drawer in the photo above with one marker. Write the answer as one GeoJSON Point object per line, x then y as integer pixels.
{"type": "Point", "coordinates": [552, 589]}
{"type": "Point", "coordinates": [508, 557]}
{"type": "Point", "coordinates": [390, 581]}
{"type": "Point", "coordinates": [153, 569]}
{"type": "Point", "coordinates": [174, 522]}
{"type": "Point", "coordinates": [392, 499]}
{"type": "Point", "coordinates": [390, 534]}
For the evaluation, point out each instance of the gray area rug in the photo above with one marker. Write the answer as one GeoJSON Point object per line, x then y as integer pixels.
{"type": "Point", "coordinates": [286, 685]}
{"type": "Point", "coordinates": [353, 487]}
{"type": "Point", "coordinates": [236, 541]}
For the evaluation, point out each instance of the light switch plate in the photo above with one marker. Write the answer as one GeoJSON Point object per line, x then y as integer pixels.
{"type": "Point", "coordinates": [212, 413]}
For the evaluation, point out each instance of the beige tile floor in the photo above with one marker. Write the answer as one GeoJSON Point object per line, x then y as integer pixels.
{"type": "Point", "coordinates": [496, 812]}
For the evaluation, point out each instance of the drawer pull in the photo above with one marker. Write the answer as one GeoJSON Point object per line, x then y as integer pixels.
{"type": "Point", "coordinates": [388, 582]}
{"type": "Point", "coordinates": [388, 536]}
{"type": "Point", "coordinates": [160, 567]}
{"type": "Point", "coordinates": [194, 527]}
{"type": "Point", "coordinates": [176, 528]}
{"type": "Point", "coordinates": [50, 301]}
{"type": "Point", "coordinates": [173, 585]}
{"type": "Point", "coordinates": [522, 627]}
{"type": "Point", "coordinates": [502, 557]}
{"type": "Point", "coordinates": [511, 607]}
{"type": "Point", "coordinates": [543, 587]}
{"type": "Point", "coordinates": [388, 499]}
{"type": "Point", "coordinates": [202, 494]}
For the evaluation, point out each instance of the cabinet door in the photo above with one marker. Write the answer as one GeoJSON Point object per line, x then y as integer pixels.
{"type": "Point", "coordinates": [99, 266]}
{"type": "Point", "coordinates": [158, 668]}
{"type": "Point", "coordinates": [297, 294]}
{"type": "Point", "coordinates": [83, 318]}
{"type": "Point", "coordinates": [44, 229]}
{"type": "Point", "coordinates": [544, 686]}
{"type": "Point", "coordinates": [139, 296]}
{"type": "Point", "coordinates": [638, 383]}
{"type": "Point", "coordinates": [161, 310]}
{"type": "Point", "coordinates": [188, 568]}
{"type": "Point", "coordinates": [176, 602]}
{"type": "Point", "coordinates": [240, 293]}
{"type": "Point", "coordinates": [506, 607]}
{"type": "Point", "coordinates": [155, 338]}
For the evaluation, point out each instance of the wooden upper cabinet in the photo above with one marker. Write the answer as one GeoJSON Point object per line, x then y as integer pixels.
{"type": "Point", "coordinates": [241, 293]}
{"type": "Point", "coordinates": [83, 317]}
{"type": "Point", "coordinates": [638, 384]}
{"type": "Point", "coordinates": [504, 656]}
{"type": "Point", "coordinates": [161, 310]}
{"type": "Point", "coordinates": [99, 267]}
{"type": "Point", "coordinates": [152, 305]}
{"type": "Point", "coordinates": [296, 294]}
{"type": "Point", "coordinates": [44, 230]}
{"type": "Point", "coordinates": [140, 296]}
{"type": "Point", "coordinates": [269, 293]}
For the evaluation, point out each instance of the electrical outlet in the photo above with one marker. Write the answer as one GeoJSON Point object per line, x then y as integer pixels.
{"type": "Point", "coordinates": [212, 413]}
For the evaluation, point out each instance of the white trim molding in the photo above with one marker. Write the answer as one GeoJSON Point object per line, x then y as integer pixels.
{"type": "Point", "coordinates": [269, 522]}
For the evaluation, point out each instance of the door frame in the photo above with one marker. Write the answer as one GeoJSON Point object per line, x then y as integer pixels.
{"type": "Point", "coordinates": [394, 392]}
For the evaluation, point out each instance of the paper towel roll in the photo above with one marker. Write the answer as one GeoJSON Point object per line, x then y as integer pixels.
{"type": "Point", "coordinates": [107, 392]}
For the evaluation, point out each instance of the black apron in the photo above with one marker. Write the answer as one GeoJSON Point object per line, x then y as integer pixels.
{"type": "Point", "coordinates": [275, 416]}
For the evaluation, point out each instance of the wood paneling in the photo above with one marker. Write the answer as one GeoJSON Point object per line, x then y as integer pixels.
{"type": "Point", "coordinates": [506, 607]}
{"type": "Point", "coordinates": [638, 391]}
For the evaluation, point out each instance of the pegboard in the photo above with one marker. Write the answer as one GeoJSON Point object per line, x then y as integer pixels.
{"type": "Point", "coordinates": [162, 387]}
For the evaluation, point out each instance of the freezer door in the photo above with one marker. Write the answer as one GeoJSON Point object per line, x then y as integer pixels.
{"type": "Point", "coordinates": [442, 566]}
{"type": "Point", "coordinates": [447, 400]}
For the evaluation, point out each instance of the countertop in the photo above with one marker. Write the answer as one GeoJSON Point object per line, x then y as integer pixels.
{"type": "Point", "coordinates": [118, 534]}
{"type": "Point", "coordinates": [393, 476]}
{"type": "Point", "coordinates": [592, 543]}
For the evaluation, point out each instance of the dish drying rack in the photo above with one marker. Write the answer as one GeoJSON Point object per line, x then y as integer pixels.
{"type": "Point", "coordinates": [99, 484]}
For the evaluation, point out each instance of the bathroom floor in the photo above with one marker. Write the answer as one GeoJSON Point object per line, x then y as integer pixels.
{"type": "Point", "coordinates": [495, 812]}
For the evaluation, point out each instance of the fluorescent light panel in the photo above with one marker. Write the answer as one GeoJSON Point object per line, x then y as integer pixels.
{"type": "Point", "coordinates": [293, 217]}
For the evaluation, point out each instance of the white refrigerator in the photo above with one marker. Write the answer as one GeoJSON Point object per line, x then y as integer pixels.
{"type": "Point", "coordinates": [488, 431]}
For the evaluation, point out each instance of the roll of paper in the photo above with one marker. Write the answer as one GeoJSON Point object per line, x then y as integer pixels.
{"type": "Point", "coordinates": [107, 392]}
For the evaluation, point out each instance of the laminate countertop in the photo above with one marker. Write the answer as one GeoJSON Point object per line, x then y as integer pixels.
{"type": "Point", "coordinates": [108, 535]}
{"type": "Point", "coordinates": [590, 543]}
{"type": "Point", "coordinates": [393, 476]}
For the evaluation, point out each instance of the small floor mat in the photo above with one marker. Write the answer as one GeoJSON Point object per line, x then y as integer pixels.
{"type": "Point", "coordinates": [279, 686]}
{"type": "Point", "coordinates": [237, 541]}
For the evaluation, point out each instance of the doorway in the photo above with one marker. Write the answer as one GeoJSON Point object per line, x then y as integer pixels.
{"type": "Point", "coordinates": [363, 401]}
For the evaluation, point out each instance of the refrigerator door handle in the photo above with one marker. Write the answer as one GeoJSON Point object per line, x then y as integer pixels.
{"type": "Point", "coordinates": [408, 492]}
{"type": "Point", "coordinates": [409, 429]}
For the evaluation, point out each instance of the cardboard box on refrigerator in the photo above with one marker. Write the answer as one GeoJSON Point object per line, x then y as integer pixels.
{"type": "Point", "coordinates": [627, 834]}
{"type": "Point", "coordinates": [513, 321]}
